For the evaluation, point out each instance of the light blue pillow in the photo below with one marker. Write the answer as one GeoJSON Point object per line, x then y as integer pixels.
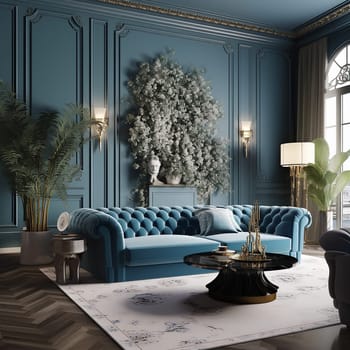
{"type": "Point", "coordinates": [216, 220]}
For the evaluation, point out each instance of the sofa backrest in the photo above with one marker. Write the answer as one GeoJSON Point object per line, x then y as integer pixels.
{"type": "Point", "coordinates": [180, 220]}
{"type": "Point", "coordinates": [141, 221]}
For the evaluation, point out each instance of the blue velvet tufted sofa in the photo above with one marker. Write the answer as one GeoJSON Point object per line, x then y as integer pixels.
{"type": "Point", "coordinates": [139, 243]}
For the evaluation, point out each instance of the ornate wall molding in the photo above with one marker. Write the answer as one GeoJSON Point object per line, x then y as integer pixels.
{"type": "Point", "coordinates": [75, 22]}
{"type": "Point", "coordinates": [198, 17]}
{"type": "Point", "coordinates": [339, 12]}
{"type": "Point", "coordinates": [122, 30]}
{"type": "Point", "coordinates": [228, 47]}
{"type": "Point", "coordinates": [324, 20]}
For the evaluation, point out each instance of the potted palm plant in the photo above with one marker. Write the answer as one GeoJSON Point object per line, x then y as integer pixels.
{"type": "Point", "coordinates": [325, 178]}
{"type": "Point", "coordinates": [36, 156]}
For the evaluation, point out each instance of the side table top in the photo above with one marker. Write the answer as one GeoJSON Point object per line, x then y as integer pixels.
{"type": "Point", "coordinates": [69, 243]}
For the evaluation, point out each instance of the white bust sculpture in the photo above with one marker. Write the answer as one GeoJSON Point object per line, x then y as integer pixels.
{"type": "Point", "coordinates": [153, 169]}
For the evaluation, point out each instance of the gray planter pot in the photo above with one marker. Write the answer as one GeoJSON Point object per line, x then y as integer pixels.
{"type": "Point", "coordinates": [36, 248]}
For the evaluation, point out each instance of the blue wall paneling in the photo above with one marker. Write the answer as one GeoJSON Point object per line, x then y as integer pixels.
{"type": "Point", "coordinates": [57, 52]}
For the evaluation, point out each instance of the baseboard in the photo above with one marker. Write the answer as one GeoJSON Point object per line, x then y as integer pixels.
{"type": "Point", "coordinates": [10, 250]}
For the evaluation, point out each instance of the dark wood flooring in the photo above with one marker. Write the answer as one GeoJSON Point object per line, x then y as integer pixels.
{"type": "Point", "coordinates": [35, 314]}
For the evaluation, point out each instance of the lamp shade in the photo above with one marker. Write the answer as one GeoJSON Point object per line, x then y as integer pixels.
{"type": "Point", "coordinates": [100, 113]}
{"type": "Point", "coordinates": [297, 153]}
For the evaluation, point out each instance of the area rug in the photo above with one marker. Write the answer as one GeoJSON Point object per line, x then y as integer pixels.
{"type": "Point", "coordinates": [177, 313]}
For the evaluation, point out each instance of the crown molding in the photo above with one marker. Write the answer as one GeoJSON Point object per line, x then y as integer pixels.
{"type": "Point", "coordinates": [198, 17]}
{"type": "Point", "coordinates": [303, 30]}
{"type": "Point", "coordinates": [330, 17]}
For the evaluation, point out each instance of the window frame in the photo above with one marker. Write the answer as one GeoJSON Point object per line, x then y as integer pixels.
{"type": "Point", "coordinates": [338, 92]}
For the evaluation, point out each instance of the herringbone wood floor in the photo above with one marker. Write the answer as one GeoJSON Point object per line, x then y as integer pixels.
{"type": "Point", "coordinates": [35, 314]}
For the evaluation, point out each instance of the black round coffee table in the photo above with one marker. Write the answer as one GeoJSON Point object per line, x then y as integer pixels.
{"type": "Point", "coordinates": [239, 280]}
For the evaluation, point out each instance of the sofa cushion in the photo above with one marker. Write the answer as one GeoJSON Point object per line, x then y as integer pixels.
{"type": "Point", "coordinates": [164, 249]}
{"type": "Point", "coordinates": [216, 220]}
{"type": "Point", "coordinates": [272, 243]}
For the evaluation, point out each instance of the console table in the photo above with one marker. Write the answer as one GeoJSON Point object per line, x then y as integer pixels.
{"type": "Point", "coordinates": [172, 195]}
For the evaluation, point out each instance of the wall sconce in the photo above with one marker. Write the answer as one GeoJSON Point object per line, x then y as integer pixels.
{"type": "Point", "coordinates": [102, 123]}
{"type": "Point", "coordinates": [296, 155]}
{"type": "Point", "coordinates": [246, 133]}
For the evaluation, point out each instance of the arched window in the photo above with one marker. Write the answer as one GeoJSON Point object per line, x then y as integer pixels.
{"type": "Point", "coordinates": [337, 122]}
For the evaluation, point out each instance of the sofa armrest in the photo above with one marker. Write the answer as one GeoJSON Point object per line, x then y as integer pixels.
{"type": "Point", "coordinates": [286, 221]}
{"type": "Point", "coordinates": [338, 282]}
{"type": "Point", "coordinates": [341, 280]}
{"type": "Point", "coordinates": [331, 256]}
{"type": "Point", "coordinates": [106, 235]}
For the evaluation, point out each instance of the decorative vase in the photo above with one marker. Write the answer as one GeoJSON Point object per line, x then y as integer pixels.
{"type": "Point", "coordinates": [36, 248]}
{"type": "Point", "coordinates": [173, 179]}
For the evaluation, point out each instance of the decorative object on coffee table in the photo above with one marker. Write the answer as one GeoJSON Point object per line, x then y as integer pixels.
{"type": "Point", "coordinates": [253, 250]}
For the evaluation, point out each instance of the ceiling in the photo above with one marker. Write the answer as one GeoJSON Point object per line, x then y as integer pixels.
{"type": "Point", "coordinates": [277, 15]}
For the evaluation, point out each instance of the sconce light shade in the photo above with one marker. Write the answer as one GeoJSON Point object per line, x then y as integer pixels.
{"type": "Point", "coordinates": [246, 125]}
{"type": "Point", "coordinates": [100, 113]}
{"type": "Point", "coordinates": [297, 154]}
{"type": "Point", "coordinates": [246, 133]}
{"type": "Point", "coordinates": [101, 127]}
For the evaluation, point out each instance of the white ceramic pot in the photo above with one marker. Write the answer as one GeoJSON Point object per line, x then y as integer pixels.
{"type": "Point", "coordinates": [173, 180]}
{"type": "Point", "coordinates": [36, 248]}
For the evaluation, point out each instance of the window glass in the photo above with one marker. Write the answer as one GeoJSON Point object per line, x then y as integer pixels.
{"type": "Point", "coordinates": [331, 137]}
{"type": "Point", "coordinates": [330, 111]}
{"type": "Point", "coordinates": [346, 144]}
{"type": "Point", "coordinates": [346, 207]}
{"type": "Point", "coordinates": [346, 108]}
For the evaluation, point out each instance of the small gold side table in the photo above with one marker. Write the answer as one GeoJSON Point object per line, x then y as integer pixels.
{"type": "Point", "coordinates": [66, 249]}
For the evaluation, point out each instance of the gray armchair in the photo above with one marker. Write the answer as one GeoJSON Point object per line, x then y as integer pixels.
{"type": "Point", "coordinates": [336, 244]}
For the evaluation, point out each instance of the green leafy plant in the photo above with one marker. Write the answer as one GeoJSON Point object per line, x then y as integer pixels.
{"type": "Point", "coordinates": [176, 120]}
{"type": "Point", "coordinates": [36, 153]}
{"type": "Point", "coordinates": [324, 178]}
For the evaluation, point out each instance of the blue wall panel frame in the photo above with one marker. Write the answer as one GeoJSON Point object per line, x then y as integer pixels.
{"type": "Point", "coordinates": [246, 102]}
{"type": "Point", "coordinates": [54, 74]}
{"type": "Point", "coordinates": [98, 92]}
{"type": "Point", "coordinates": [274, 123]}
{"type": "Point", "coordinates": [10, 215]}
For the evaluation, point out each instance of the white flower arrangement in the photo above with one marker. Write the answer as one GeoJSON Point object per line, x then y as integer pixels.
{"type": "Point", "coordinates": [176, 121]}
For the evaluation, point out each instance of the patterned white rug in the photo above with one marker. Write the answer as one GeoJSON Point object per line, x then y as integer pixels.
{"type": "Point", "coordinates": [176, 313]}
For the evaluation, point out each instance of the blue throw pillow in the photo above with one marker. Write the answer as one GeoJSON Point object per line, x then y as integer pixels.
{"type": "Point", "coordinates": [216, 220]}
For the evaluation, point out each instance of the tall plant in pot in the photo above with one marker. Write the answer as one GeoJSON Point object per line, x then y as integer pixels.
{"type": "Point", "coordinates": [36, 155]}
{"type": "Point", "coordinates": [325, 178]}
